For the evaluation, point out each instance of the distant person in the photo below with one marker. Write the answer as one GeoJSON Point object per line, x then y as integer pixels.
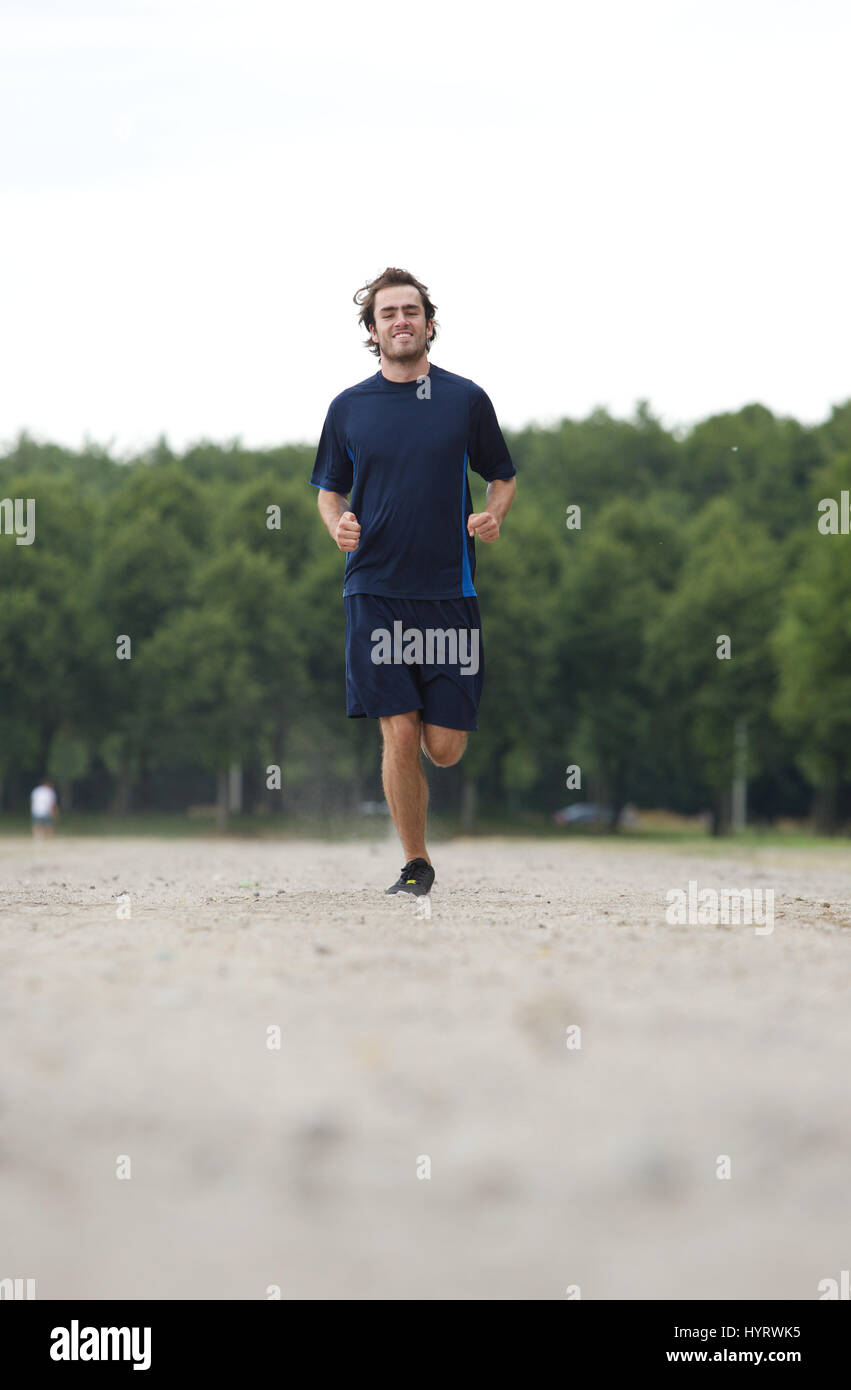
{"type": "Point", "coordinates": [400, 443]}
{"type": "Point", "coordinates": [44, 809]}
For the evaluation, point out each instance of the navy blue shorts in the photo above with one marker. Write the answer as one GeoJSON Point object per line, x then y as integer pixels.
{"type": "Point", "coordinates": [414, 653]}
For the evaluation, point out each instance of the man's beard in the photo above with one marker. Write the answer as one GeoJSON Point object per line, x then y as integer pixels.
{"type": "Point", "coordinates": [411, 347]}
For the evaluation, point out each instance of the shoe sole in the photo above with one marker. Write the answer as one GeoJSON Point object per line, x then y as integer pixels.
{"type": "Point", "coordinates": [416, 890]}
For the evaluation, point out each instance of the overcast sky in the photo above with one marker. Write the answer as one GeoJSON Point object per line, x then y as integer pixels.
{"type": "Point", "coordinates": [608, 201]}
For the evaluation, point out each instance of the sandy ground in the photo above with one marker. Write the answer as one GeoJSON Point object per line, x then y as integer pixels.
{"type": "Point", "coordinates": [404, 1040]}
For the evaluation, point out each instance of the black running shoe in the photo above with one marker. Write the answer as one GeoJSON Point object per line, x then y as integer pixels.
{"type": "Point", "coordinates": [416, 877]}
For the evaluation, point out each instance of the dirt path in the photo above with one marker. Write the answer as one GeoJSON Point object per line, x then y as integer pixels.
{"type": "Point", "coordinates": [404, 1040]}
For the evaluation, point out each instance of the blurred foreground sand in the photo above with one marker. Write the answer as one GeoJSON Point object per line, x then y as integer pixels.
{"type": "Point", "coordinates": [403, 1038]}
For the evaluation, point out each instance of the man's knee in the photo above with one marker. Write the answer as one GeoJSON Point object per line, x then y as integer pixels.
{"type": "Point", "coordinates": [444, 747]}
{"type": "Point", "coordinates": [401, 732]}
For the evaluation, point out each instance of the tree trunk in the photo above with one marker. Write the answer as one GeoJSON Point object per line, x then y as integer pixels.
{"type": "Point", "coordinates": [469, 802]}
{"type": "Point", "coordinates": [739, 790]}
{"type": "Point", "coordinates": [721, 812]}
{"type": "Point", "coordinates": [616, 782]}
{"type": "Point", "coordinates": [123, 787]}
{"type": "Point", "coordinates": [356, 786]}
{"type": "Point", "coordinates": [222, 780]}
{"type": "Point", "coordinates": [44, 751]}
{"type": "Point", "coordinates": [144, 798]}
{"type": "Point", "coordinates": [235, 789]}
{"type": "Point", "coordinates": [275, 799]}
{"type": "Point", "coordinates": [824, 809]}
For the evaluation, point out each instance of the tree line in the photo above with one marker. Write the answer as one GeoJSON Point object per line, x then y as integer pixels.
{"type": "Point", "coordinates": [665, 612]}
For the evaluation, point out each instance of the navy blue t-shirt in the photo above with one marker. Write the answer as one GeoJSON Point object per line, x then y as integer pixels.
{"type": "Point", "coordinates": [403, 455]}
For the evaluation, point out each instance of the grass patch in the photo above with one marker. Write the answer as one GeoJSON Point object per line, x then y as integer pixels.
{"type": "Point", "coordinates": [177, 825]}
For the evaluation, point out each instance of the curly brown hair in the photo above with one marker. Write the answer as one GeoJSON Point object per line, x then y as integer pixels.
{"type": "Point", "coordinates": [365, 299]}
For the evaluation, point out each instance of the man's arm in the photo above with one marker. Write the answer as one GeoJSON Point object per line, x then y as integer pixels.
{"type": "Point", "coordinates": [343, 526]}
{"type": "Point", "coordinates": [499, 497]}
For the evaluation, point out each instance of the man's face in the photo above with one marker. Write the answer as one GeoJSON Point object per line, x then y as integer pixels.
{"type": "Point", "coordinates": [400, 328]}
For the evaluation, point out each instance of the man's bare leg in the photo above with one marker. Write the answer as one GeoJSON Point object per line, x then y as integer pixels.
{"type": "Point", "coordinates": [405, 786]}
{"type": "Point", "coordinates": [443, 747]}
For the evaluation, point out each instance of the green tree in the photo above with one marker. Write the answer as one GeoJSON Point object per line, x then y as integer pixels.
{"type": "Point", "coordinates": [812, 644]}
{"type": "Point", "coordinates": [729, 588]}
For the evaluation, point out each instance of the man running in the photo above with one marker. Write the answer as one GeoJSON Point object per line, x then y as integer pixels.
{"type": "Point", "coordinates": [400, 443]}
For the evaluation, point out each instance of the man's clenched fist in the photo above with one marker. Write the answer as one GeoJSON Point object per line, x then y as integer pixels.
{"type": "Point", "coordinates": [483, 525]}
{"type": "Point", "coordinates": [347, 534]}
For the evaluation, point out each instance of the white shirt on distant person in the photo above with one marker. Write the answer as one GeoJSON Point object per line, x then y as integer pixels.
{"type": "Point", "coordinates": [42, 801]}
